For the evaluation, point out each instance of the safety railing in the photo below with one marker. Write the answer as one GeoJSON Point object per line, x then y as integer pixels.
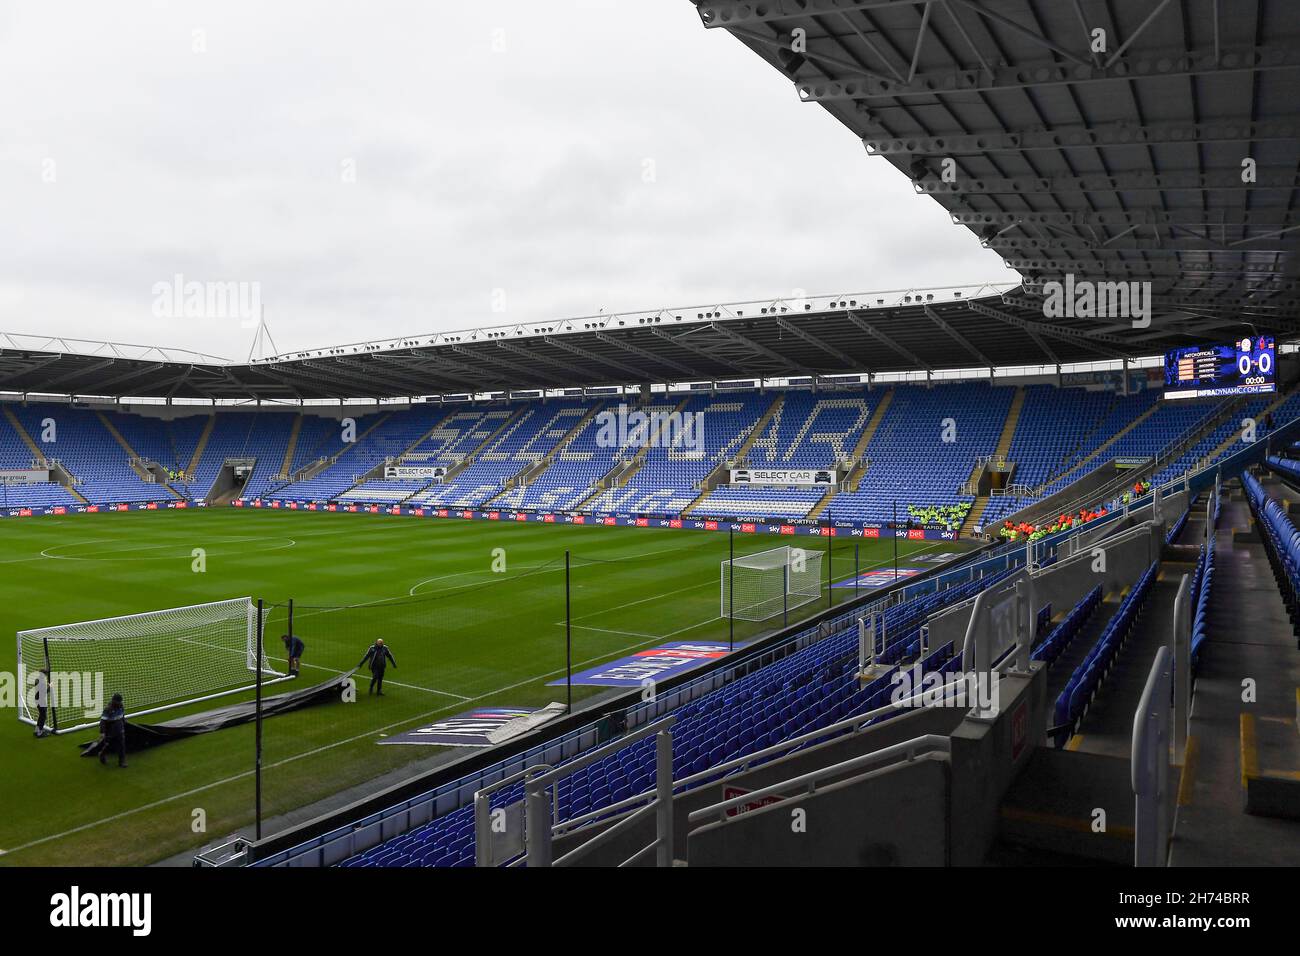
{"type": "Point", "coordinates": [937, 696]}
{"type": "Point", "coordinates": [539, 819]}
{"type": "Point", "coordinates": [490, 852]}
{"type": "Point", "coordinates": [905, 752]}
{"type": "Point", "coordinates": [1152, 723]}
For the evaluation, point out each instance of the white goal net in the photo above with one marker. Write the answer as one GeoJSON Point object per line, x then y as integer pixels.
{"type": "Point", "coordinates": [763, 585]}
{"type": "Point", "coordinates": [156, 660]}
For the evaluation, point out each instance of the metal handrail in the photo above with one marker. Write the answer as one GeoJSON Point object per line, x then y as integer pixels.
{"type": "Point", "coordinates": [908, 749]}
{"type": "Point", "coordinates": [843, 727]}
{"type": "Point", "coordinates": [539, 826]}
{"type": "Point", "coordinates": [482, 818]}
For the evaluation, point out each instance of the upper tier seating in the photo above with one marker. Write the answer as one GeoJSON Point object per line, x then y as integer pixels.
{"type": "Point", "coordinates": [924, 450]}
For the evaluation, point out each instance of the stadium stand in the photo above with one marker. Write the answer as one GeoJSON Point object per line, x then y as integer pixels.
{"type": "Point", "coordinates": [550, 455]}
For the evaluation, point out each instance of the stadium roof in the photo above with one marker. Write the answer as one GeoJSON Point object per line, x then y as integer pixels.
{"type": "Point", "coordinates": [1111, 155]}
{"type": "Point", "coordinates": [1118, 163]}
{"type": "Point", "coordinates": [897, 331]}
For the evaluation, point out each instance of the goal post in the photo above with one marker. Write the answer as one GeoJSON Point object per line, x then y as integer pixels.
{"type": "Point", "coordinates": [156, 660]}
{"type": "Point", "coordinates": [770, 582]}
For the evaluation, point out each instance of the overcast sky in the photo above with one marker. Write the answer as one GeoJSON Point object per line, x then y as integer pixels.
{"type": "Point", "coordinates": [380, 168]}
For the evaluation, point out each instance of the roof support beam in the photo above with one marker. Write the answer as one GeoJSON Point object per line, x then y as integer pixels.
{"type": "Point", "coordinates": [1112, 218]}
{"type": "Point", "coordinates": [1078, 137]}
{"type": "Point", "coordinates": [644, 354]}
{"type": "Point", "coordinates": [534, 356]}
{"type": "Point", "coordinates": [959, 338]}
{"type": "Point", "coordinates": [681, 341]}
{"type": "Point", "coordinates": [1061, 332]}
{"type": "Point", "coordinates": [887, 342]}
{"type": "Point", "coordinates": [849, 363]}
{"type": "Point", "coordinates": [758, 349]}
{"type": "Point", "coordinates": [637, 375]}
{"type": "Point", "coordinates": [1134, 181]}
{"type": "Point", "coordinates": [1043, 73]}
{"type": "Point", "coordinates": [493, 375]}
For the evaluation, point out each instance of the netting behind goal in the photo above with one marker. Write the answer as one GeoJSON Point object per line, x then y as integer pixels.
{"type": "Point", "coordinates": [155, 660]}
{"type": "Point", "coordinates": [770, 582]}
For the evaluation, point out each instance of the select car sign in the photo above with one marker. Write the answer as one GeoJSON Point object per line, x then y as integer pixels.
{"type": "Point", "coordinates": [817, 477]}
{"type": "Point", "coordinates": [419, 472]}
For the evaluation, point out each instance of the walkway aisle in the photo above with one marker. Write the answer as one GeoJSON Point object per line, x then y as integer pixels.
{"type": "Point", "coordinates": [1250, 637]}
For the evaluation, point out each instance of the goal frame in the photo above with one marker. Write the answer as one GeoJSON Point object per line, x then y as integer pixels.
{"type": "Point", "coordinates": [792, 597]}
{"type": "Point", "coordinates": [269, 674]}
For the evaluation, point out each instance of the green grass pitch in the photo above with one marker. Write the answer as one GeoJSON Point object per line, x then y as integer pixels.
{"type": "Point", "coordinates": [464, 635]}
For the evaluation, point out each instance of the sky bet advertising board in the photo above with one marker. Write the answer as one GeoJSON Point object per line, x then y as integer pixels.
{"type": "Point", "coordinates": [1247, 366]}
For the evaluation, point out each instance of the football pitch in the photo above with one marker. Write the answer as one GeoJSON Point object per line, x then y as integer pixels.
{"type": "Point", "coordinates": [474, 612]}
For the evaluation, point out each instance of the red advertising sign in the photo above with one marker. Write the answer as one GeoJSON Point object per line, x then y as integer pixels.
{"type": "Point", "coordinates": [730, 793]}
{"type": "Point", "coordinates": [1019, 729]}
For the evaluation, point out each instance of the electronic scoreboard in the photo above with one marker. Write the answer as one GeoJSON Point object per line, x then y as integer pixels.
{"type": "Point", "coordinates": [1244, 367]}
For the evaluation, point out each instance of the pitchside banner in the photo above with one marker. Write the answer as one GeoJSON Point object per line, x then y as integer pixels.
{"type": "Point", "coordinates": [473, 728]}
{"type": "Point", "coordinates": [780, 526]}
{"type": "Point", "coordinates": [798, 477]}
{"type": "Point", "coordinates": [777, 526]}
{"type": "Point", "coordinates": [656, 665]}
{"type": "Point", "coordinates": [877, 579]}
{"type": "Point", "coordinates": [172, 505]}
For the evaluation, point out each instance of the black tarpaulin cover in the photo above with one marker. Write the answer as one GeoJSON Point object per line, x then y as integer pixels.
{"type": "Point", "coordinates": [140, 736]}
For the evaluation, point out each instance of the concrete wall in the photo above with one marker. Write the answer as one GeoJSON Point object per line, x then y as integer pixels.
{"type": "Point", "coordinates": [936, 810]}
{"type": "Point", "coordinates": [986, 757]}
{"type": "Point", "coordinates": [909, 724]}
{"type": "Point", "coordinates": [889, 817]}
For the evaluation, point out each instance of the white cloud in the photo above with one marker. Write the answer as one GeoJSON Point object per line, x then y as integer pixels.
{"type": "Point", "coordinates": [475, 170]}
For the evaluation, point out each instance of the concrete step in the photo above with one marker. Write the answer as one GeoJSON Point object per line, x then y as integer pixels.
{"type": "Point", "coordinates": [1052, 808]}
{"type": "Point", "coordinates": [1107, 727]}
{"type": "Point", "coordinates": [1270, 766]}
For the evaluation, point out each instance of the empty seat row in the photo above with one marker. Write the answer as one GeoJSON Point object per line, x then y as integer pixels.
{"type": "Point", "coordinates": [1083, 684]}
{"type": "Point", "coordinates": [1064, 632]}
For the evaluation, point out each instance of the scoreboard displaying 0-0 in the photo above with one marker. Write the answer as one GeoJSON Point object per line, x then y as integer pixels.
{"type": "Point", "coordinates": [1244, 367]}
